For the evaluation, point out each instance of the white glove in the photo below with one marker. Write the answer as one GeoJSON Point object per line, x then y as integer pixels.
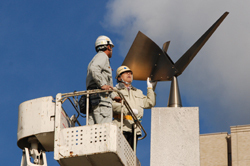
{"type": "Point", "coordinates": [135, 111]}
{"type": "Point", "coordinates": [151, 84]}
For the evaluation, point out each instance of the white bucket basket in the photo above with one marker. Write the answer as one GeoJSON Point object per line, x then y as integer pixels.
{"type": "Point", "coordinates": [100, 144]}
{"type": "Point", "coordinates": [91, 145]}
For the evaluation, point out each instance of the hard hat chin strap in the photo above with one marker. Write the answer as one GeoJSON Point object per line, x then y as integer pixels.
{"type": "Point", "coordinates": [102, 48]}
{"type": "Point", "coordinates": [127, 82]}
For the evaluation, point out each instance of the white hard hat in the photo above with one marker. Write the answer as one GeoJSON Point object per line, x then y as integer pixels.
{"type": "Point", "coordinates": [102, 41]}
{"type": "Point", "coordinates": [121, 70]}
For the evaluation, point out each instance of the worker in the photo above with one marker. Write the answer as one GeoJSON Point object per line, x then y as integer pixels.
{"type": "Point", "coordinates": [99, 76]}
{"type": "Point", "coordinates": [135, 99]}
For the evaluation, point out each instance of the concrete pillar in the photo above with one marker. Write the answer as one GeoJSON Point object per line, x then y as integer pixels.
{"type": "Point", "coordinates": [175, 136]}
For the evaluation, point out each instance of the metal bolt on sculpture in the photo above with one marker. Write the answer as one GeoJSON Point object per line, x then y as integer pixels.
{"type": "Point", "coordinates": [147, 59]}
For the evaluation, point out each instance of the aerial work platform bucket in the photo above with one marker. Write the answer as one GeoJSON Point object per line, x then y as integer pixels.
{"type": "Point", "coordinates": [90, 145]}
{"type": "Point", "coordinates": [51, 129]}
{"type": "Point", "coordinates": [98, 145]}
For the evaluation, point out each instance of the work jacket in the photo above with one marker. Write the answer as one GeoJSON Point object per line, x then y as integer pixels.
{"type": "Point", "coordinates": [100, 73]}
{"type": "Point", "coordinates": [136, 100]}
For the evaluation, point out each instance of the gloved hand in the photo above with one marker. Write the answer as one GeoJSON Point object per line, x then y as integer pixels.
{"type": "Point", "coordinates": [151, 84]}
{"type": "Point", "coordinates": [135, 111]}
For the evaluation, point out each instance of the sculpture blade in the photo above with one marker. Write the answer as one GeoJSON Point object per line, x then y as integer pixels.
{"type": "Point", "coordinates": [164, 68]}
{"type": "Point", "coordinates": [165, 46]}
{"type": "Point", "coordinates": [146, 59]}
{"type": "Point", "coordinates": [188, 56]}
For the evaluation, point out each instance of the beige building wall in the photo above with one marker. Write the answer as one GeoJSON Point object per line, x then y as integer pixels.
{"type": "Point", "coordinates": [240, 139]}
{"type": "Point", "coordinates": [221, 149]}
{"type": "Point", "coordinates": [214, 149]}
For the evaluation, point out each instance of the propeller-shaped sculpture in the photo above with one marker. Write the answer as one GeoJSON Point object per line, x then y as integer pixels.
{"type": "Point", "coordinates": [146, 59]}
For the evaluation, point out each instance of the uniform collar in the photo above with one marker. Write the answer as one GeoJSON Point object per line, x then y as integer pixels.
{"type": "Point", "coordinates": [120, 86]}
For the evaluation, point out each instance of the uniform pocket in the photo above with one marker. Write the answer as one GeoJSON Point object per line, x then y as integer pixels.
{"type": "Point", "coordinates": [105, 100]}
{"type": "Point", "coordinates": [105, 110]}
{"type": "Point", "coordinates": [139, 100]}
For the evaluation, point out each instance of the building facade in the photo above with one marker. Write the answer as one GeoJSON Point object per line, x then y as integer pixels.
{"type": "Point", "coordinates": [223, 149]}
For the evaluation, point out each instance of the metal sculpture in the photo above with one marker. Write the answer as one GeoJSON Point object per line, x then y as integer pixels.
{"type": "Point", "coordinates": [147, 59]}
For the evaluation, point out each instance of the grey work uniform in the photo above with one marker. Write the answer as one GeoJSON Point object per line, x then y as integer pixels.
{"type": "Point", "coordinates": [100, 73]}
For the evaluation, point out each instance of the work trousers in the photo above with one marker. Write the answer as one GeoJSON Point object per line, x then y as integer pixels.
{"type": "Point", "coordinates": [100, 114]}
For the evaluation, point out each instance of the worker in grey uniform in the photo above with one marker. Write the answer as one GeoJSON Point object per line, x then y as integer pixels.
{"type": "Point", "coordinates": [135, 99]}
{"type": "Point", "coordinates": [99, 76]}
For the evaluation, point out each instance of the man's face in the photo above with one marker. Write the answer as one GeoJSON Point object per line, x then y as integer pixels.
{"type": "Point", "coordinates": [109, 51]}
{"type": "Point", "coordinates": [127, 76]}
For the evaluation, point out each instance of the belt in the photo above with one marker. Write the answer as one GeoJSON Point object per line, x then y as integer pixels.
{"type": "Point", "coordinates": [127, 117]}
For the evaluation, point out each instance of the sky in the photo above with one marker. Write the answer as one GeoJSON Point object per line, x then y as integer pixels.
{"type": "Point", "coordinates": [45, 47]}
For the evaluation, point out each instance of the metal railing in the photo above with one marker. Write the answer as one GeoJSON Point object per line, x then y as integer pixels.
{"type": "Point", "coordinates": [124, 102]}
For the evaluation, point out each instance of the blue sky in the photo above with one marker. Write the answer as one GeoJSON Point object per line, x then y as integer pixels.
{"type": "Point", "coordinates": [45, 47]}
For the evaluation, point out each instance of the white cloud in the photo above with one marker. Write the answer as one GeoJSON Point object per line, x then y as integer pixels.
{"type": "Point", "coordinates": [217, 79]}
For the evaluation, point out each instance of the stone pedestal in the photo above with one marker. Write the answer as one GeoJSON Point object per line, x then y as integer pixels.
{"type": "Point", "coordinates": [175, 136]}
